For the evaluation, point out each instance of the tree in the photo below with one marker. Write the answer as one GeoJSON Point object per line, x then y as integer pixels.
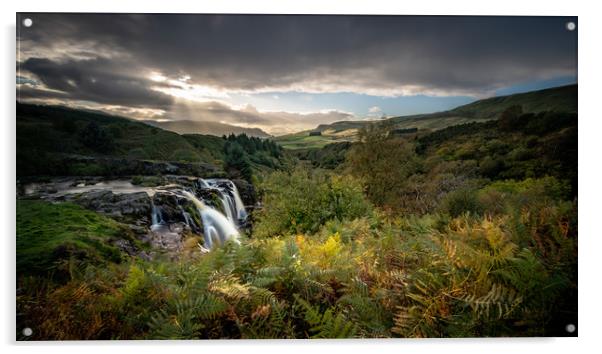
{"type": "Point", "coordinates": [96, 138]}
{"type": "Point", "coordinates": [383, 163]}
{"type": "Point", "coordinates": [236, 161]}
{"type": "Point", "coordinates": [510, 119]}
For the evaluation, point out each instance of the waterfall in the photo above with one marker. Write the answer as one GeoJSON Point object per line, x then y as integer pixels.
{"type": "Point", "coordinates": [167, 215]}
{"type": "Point", "coordinates": [157, 218]}
{"type": "Point", "coordinates": [227, 203]}
{"type": "Point", "coordinates": [187, 217]}
{"type": "Point", "coordinates": [217, 228]}
{"type": "Point", "coordinates": [233, 205]}
{"type": "Point", "coordinates": [203, 183]}
{"type": "Point", "coordinates": [241, 212]}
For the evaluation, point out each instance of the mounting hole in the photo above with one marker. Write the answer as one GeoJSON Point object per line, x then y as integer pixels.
{"type": "Point", "coordinates": [571, 26]}
{"type": "Point", "coordinates": [570, 328]}
{"type": "Point", "coordinates": [27, 22]}
{"type": "Point", "coordinates": [27, 331]}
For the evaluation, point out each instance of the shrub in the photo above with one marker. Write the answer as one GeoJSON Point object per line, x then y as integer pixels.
{"type": "Point", "coordinates": [301, 202]}
{"type": "Point", "coordinates": [383, 164]}
{"type": "Point", "coordinates": [461, 201]}
{"type": "Point", "coordinates": [184, 155]}
{"type": "Point", "coordinates": [491, 167]}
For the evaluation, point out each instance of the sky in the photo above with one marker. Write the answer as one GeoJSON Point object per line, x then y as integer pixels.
{"type": "Point", "coordinates": [286, 73]}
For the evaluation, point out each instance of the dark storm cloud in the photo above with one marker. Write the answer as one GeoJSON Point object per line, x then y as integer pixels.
{"type": "Point", "coordinates": [367, 54]}
{"type": "Point", "coordinates": [96, 80]}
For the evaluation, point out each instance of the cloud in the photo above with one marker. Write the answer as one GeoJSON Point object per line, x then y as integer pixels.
{"type": "Point", "coordinates": [96, 80]}
{"type": "Point", "coordinates": [377, 55]}
{"type": "Point", "coordinates": [374, 109]}
{"type": "Point", "coordinates": [189, 66]}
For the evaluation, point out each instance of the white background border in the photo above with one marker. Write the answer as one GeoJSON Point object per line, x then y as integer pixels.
{"type": "Point", "coordinates": [590, 133]}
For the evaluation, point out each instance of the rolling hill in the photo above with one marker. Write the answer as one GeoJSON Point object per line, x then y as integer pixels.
{"type": "Point", "coordinates": [53, 140]}
{"type": "Point", "coordinates": [207, 128]}
{"type": "Point", "coordinates": [558, 99]}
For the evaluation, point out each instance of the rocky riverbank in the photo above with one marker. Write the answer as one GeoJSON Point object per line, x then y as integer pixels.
{"type": "Point", "coordinates": [153, 208]}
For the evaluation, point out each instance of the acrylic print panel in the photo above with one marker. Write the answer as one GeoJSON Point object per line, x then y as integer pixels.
{"type": "Point", "coordinates": [189, 176]}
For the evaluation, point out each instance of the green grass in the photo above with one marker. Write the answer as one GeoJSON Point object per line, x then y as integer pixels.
{"type": "Point", "coordinates": [557, 99]}
{"type": "Point", "coordinates": [48, 234]}
{"type": "Point", "coordinates": [304, 141]}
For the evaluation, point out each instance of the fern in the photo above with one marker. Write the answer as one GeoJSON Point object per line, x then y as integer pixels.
{"type": "Point", "coordinates": [184, 317]}
{"type": "Point", "coordinates": [327, 324]}
{"type": "Point", "coordinates": [267, 321]}
{"type": "Point", "coordinates": [500, 302]}
{"type": "Point", "coordinates": [230, 287]}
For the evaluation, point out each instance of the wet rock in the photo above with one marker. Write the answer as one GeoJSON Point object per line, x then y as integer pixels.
{"type": "Point", "coordinates": [246, 191]}
{"type": "Point", "coordinates": [125, 246]}
{"type": "Point", "coordinates": [212, 198]}
{"type": "Point", "coordinates": [133, 205]}
{"type": "Point", "coordinates": [167, 237]}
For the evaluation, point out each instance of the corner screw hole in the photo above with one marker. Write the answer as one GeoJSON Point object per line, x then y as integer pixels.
{"type": "Point", "coordinates": [571, 26]}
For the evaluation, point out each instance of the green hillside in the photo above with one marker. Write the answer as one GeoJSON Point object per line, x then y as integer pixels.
{"type": "Point", "coordinates": [54, 140]}
{"type": "Point", "coordinates": [558, 99]}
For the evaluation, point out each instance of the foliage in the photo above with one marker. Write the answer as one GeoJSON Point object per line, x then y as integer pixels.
{"type": "Point", "coordinates": [383, 164]}
{"type": "Point", "coordinates": [236, 162]}
{"type": "Point", "coordinates": [302, 201]}
{"type": "Point", "coordinates": [330, 156]}
{"type": "Point", "coordinates": [461, 201]}
{"type": "Point", "coordinates": [96, 138]}
{"type": "Point", "coordinates": [410, 277]}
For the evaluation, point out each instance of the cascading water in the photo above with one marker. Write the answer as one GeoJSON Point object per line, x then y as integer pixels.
{"type": "Point", "coordinates": [169, 218]}
{"type": "Point", "coordinates": [156, 217]}
{"type": "Point", "coordinates": [232, 203]}
{"type": "Point", "coordinates": [203, 183]}
{"type": "Point", "coordinates": [217, 228]}
{"type": "Point", "coordinates": [187, 217]}
{"type": "Point", "coordinates": [240, 206]}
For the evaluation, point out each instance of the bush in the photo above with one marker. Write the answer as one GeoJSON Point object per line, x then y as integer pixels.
{"type": "Point", "coordinates": [520, 154]}
{"type": "Point", "coordinates": [301, 202]}
{"type": "Point", "coordinates": [491, 167]}
{"type": "Point", "coordinates": [383, 164]}
{"type": "Point", "coordinates": [184, 155]}
{"type": "Point", "coordinates": [461, 201]}
{"type": "Point", "coordinates": [510, 119]}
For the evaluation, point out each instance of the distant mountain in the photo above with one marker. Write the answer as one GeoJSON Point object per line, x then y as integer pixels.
{"type": "Point", "coordinates": [559, 99]}
{"type": "Point", "coordinates": [208, 128]}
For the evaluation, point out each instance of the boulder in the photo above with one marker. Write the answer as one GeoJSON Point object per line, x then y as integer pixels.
{"type": "Point", "coordinates": [133, 205]}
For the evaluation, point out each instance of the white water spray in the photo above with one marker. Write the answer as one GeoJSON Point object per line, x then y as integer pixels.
{"type": "Point", "coordinates": [231, 201]}
{"type": "Point", "coordinates": [218, 229]}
